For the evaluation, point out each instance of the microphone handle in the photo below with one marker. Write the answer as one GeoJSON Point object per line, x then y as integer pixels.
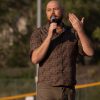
{"type": "Point", "coordinates": [54, 31]}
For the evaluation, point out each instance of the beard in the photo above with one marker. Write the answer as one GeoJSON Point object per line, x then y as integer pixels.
{"type": "Point", "coordinates": [57, 20]}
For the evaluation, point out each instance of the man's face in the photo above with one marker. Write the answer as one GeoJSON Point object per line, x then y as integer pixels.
{"type": "Point", "coordinates": [53, 9]}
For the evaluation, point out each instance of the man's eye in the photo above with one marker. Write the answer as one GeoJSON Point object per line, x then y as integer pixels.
{"type": "Point", "coordinates": [48, 9]}
{"type": "Point", "coordinates": [56, 8]}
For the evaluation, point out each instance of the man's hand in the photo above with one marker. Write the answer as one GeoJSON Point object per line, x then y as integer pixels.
{"type": "Point", "coordinates": [52, 27]}
{"type": "Point", "coordinates": [39, 53]}
{"type": "Point", "coordinates": [76, 23]}
{"type": "Point", "coordinates": [78, 26]}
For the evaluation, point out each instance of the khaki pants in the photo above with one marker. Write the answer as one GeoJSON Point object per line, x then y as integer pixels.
{"type": "Point", "coordinates": [45, 92]}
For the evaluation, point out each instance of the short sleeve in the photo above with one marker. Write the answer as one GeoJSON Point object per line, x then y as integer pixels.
{"type": "Point", "coordinates": [35, 40]}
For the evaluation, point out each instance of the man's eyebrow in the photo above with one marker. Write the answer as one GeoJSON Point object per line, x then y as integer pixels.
{"type": "Point", "coordinates": [48, 8]}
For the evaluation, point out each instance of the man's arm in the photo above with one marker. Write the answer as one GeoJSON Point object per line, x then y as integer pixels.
{"type": "Point", "coordinates": [85, 42]}
{"type": "Point", "coordinates": [39, 53]}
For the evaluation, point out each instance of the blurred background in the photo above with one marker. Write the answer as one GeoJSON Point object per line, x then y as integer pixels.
{"type": "Point", "coordinates": [17, 21]}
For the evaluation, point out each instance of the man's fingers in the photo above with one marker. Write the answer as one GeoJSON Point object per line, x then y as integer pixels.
{"type": "Point", "coordinates": [82, 20]}
{"type": "Point", "coordinates": [70, 20]}
{"type": "Point", "coordinates": [73, 18]}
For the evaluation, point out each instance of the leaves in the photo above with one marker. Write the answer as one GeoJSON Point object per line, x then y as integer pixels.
{"type": "Point", "coordinates": [14, 44]}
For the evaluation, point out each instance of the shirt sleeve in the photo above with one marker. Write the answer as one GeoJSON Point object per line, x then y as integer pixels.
{"type": "Point", "coordinates": [35, 40]}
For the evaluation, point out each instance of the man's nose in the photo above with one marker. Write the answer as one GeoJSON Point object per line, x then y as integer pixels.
{"type": "Point", "coordinates": [53, 12]}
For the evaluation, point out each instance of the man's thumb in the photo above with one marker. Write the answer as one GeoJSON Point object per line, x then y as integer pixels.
{"type": "Point", "coordinates": [82, 20]}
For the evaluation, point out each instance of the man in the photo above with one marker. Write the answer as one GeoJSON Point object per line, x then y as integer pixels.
{"type": "Point", "coordinates": [55, 47]}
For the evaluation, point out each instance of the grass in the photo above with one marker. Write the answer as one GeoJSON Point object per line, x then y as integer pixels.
{"type": "Point", "coordinates": [9, 87]}
{"type": "Point", "coordinates": [91, 93]}
{"type": "Point", "coordinates": [14, 81]}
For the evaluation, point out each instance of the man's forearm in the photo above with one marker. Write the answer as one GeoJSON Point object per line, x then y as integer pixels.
{"type": "Point", "coordinates": [39, 53]}
{"type": "Point", "coordinates": [86, 43]}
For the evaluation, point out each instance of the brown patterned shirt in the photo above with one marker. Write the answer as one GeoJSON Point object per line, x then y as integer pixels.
{"type": "Point", "coordinates": [59, 65]}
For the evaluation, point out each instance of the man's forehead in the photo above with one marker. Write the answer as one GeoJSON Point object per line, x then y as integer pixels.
{"type": "Point", "coordinates": [53, 2]}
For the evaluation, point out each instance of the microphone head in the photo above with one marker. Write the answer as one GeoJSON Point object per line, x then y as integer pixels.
{"type": "Point", "coordinates": [53, 19]}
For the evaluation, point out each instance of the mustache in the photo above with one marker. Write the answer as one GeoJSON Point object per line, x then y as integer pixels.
{"type": "Point", "coordinates": [53, 15]}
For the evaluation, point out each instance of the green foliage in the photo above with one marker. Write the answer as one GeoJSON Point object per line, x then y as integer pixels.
{"type": "Point", "coordinates": [96, 33]}
{"type": "Point", "coordinates": [90, 93]}
{"type": "Point", "coordinates": [16, 54]}
{"type": "Point", "coordinates": [14, 45]}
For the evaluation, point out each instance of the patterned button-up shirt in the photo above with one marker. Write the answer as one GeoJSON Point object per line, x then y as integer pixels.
{"type": "Point", "coordinates": [58, 67]}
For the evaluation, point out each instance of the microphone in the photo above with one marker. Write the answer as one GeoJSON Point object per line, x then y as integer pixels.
{"type": "Point", "coordinates": [53, 20]}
